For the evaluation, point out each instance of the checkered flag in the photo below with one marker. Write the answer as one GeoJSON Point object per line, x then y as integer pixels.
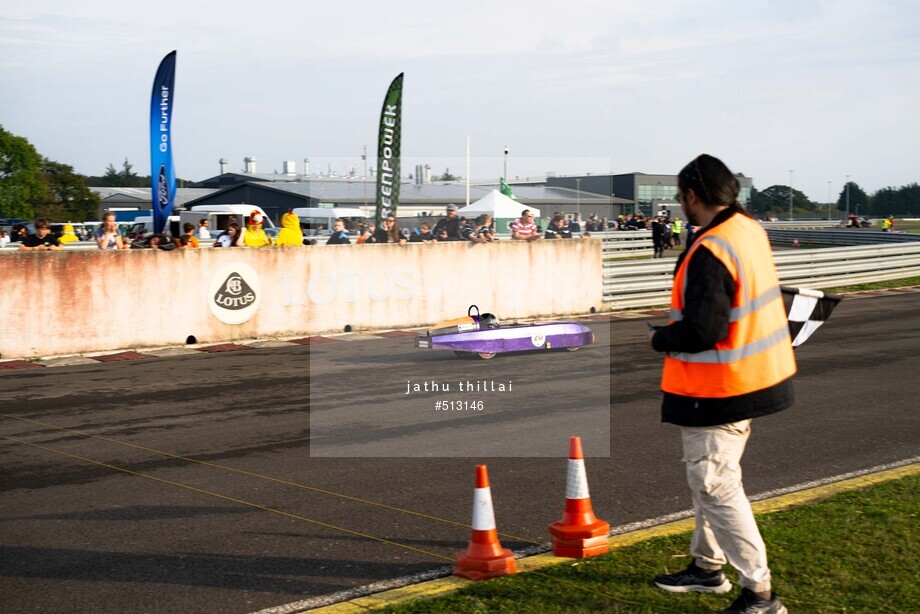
{"type": "Point", "coordinates": [807, 310]}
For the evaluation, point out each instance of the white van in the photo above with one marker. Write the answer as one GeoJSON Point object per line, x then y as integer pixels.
{"type": "Point", "coordinates": [143, 226]}
{"type": "Point", "coordinates": [318, 220]}
{"type": "Point", "coordinates": [220, 216]}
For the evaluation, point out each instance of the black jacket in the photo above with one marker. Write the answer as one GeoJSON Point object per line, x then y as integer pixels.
{"type": "Point", "coordinates": [557, 233]}
{"type": "Point", "coordinates": [339, 238]}
{"type": "Point", "coordinates": [417, 236]}
{"type": "Point", "coordinates": [381, 236]}
{"type": "Point", "coordinates": [657, 232]}
{"type": "Point", "coordinates": [449, 224]}
{"type": "Point", "coordinates": [707, 303]}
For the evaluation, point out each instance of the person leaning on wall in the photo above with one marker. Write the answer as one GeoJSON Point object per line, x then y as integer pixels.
{"type": "Point", "coordinates": [107, 235]}
{"type": "Point", "coordinates": [524, 228]}
{"type": "Point", "coordinates": [389, 232]}
{"type": "Point", "coordinates": [42, 240]}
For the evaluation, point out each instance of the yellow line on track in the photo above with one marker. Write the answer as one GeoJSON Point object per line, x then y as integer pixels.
{"type": "Point", "coordinates": [226, 498]}
{"type": "Point", "coordinates": [445, 586]}
{"type": "Point", "coordinates": [257, 475]}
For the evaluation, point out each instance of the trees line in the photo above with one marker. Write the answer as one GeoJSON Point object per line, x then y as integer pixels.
{"type": "Point", "coordinates": [899, 201]}
{"type": "Point", "coordinates": [34, 186]}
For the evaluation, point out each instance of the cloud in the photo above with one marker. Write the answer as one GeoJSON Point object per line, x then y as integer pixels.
{"type": "Point", "coordinates": [827, 88]}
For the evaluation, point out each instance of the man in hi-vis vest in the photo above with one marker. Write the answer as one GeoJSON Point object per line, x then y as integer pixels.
{"type": "Point", "coordinates": [728, 359]}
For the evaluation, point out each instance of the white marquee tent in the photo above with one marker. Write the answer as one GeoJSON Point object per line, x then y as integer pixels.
{"type": "Point", "coordinates": [499, 205]}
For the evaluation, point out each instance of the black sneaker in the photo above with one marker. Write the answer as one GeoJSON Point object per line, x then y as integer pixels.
{"type": "Point", "coordinates": [694, 579]}
{"type": "Point", "coordinates": [749, 603]}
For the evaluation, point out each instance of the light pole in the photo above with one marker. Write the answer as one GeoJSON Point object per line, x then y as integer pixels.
{"type": "Point", "coordinates": [828, 200]}
{"type": "Point", "coordinates": [364, 157]}
{"type": "Point", "coordinates": [848, 199]}
{"type": "Point", "coordinates": [790, 195]}
{"type": "Point", "coordinates": [468, 171]}
{"type": "Point", "coordinates": [577, 198]}
{"type": "Point", "coordinates": [506, 164]}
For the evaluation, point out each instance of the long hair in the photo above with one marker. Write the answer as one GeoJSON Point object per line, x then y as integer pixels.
{"type": "Point", "coordinates": [105, 222]}
{"type": "Point", "coordinates": [236, 235]}
{"type": "Point", "coordinates": [393, 235]}
{"type": "Point", "coordinates": [712, 182]}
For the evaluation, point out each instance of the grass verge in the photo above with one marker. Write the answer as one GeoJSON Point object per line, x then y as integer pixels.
{"type": "Point", "coordinates": [878, 285]}
{"type": "Point", "coordinates": [853, 552]}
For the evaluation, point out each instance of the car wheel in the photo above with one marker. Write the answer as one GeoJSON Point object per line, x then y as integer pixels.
{"type": "Point", "coordinates": [573, 348]}
{"type": "Point", "coordinates": [486, 355]}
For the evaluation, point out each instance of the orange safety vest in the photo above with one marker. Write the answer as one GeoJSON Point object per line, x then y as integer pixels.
{"type": "Point", "coordinates": [757, 352]}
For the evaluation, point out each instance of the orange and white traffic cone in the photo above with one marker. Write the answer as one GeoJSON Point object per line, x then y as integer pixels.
{"type": "Point", "coordinates": [484, 557]}
{"type": "Point", "coordinates": [579, 534]}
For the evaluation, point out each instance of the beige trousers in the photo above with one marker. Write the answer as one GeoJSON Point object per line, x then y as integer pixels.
{"type": "Point", "coordinates": [725, 525]}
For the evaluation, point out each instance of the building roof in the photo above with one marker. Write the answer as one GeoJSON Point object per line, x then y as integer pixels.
{"type": "Point", "coordinates": [142, 196]}
{"type": "Point", "coordinates": [411, 194]}
{"type": "Point", "coordinates": [244, 176]}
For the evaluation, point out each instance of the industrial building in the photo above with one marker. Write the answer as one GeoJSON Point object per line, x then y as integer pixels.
{"type": "Point", "coordinates": [139, 199]}
{"type": "Point", "coordinates": [414, 200]}
{"type": "Point", "coordinates": [645, 193]}
{"type": "Point", "coordinates": [607, 195]}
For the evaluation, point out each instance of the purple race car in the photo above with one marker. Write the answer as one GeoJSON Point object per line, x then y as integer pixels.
{"type": "Point", "coordinates": [483, 336]}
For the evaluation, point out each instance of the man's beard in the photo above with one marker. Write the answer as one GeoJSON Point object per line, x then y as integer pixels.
{"type": "Point", "coordinates": [691, 219]}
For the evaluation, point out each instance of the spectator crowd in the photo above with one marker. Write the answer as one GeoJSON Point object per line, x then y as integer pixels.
{"type": "Point", "coordinates": [666, 232]}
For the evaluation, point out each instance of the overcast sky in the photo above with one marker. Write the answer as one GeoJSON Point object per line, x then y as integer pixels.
{"type": "Point", "coordinates": [823, 88]}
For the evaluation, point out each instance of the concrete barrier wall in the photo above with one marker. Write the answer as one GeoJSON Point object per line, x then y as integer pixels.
{"type": "Point", "coordinates": [72, 302]}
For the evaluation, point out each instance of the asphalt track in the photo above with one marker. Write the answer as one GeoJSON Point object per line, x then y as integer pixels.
{"type": "Point", "coordinates": [191, 537]}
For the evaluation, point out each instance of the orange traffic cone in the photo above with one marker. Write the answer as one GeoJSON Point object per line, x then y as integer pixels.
{"type": "Point", "coordinates": [484, 557]}
{"type": "Point", "coordinates": [579, 534]}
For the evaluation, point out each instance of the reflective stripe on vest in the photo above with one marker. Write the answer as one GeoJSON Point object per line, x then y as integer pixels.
{"type": "Point", "coordinates": [721, 357]}
{"type": "Point", "coordinates": [756, 352]}
{"type": "Point", "coordinates": [742, 310]}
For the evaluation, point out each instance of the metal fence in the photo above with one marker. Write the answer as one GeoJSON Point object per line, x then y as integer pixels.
{"type": "Point", "coordinates": [647, 283]}
{"type": "Point", "coordinates": [803, 224]}
{"type": "Point", "coordinates": [625, 244]}
{"type": "Point", "coordinates": [839, 237]}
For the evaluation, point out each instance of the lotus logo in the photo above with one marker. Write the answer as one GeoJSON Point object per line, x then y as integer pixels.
{"type": "Point", "coordinates": [235, 293]}
{"type": "Point", "coordinates": [162, 188]}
